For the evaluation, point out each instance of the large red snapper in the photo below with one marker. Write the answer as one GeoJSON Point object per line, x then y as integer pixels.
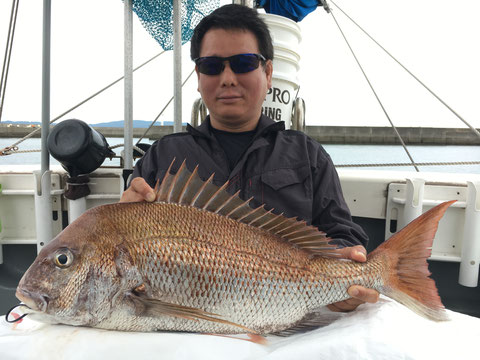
{"type": "Point", "coordinates": [202, 260]}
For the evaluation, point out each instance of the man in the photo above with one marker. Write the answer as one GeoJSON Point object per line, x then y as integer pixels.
{"type": "Point", "coordinates": [286, 170]}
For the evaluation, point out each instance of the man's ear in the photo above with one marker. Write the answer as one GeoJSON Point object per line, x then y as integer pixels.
{"type": "Point", "coordinates": [269, 72]}
{"type": "Point", "coordinates": [198, 78]}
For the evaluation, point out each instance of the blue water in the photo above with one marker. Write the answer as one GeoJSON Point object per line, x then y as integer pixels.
{"type": "Point", "coordinates": [341, 154]}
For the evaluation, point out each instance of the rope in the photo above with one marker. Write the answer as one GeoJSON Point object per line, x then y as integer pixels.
{"type": "Point", "coordinates": [475, 131]}
{"type": "Point", "coordinates": [375, 93]}
{"type": "Point", "coordinates": [408, 164]}
{"type": "Point", "coordinates": [161, 112]}
{"type": "Point", "coordinates": [7, 150]}
{"type": "Point", "coordinates": [8, 53]}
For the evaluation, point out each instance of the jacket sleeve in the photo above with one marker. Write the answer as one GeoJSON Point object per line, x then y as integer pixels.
{"type": "Point", "coordinates": [330, 212]}
{"type": "Point", "coordinates": [147, 166]}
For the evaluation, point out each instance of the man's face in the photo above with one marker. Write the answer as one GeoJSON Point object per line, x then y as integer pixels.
{"type": "Point", "coordinates": [233, 100]}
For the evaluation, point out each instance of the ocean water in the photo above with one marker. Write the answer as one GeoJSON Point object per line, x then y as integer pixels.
{"type": "Point", "coordinates": [340, 154]}
{"type": "Point", "coordinates": [384, 154]}
{"type": "Point", "coordinates": [35, 157]}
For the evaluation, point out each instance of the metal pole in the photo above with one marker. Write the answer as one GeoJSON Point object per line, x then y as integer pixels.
{"type": "Point", "coordinates": [43, 208]}
{"type": "Point", "coordinates": [43, 200]}
{"type": "Point", "coordinates": [47, 12]}
{"type": "Point", "coordinates": [128, 85]}
{"type": "Point", "coordinates": [470, 261]}
{"type": "Point", "coordinates": [177, 66]}
{"type": "Point", "coordinates": [76, 208]}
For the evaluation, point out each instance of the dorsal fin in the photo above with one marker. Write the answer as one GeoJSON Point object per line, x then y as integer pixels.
{"type": "Point", "coordinates": [186, 188]}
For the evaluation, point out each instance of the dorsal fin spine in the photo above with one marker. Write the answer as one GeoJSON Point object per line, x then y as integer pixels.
{"type": "Point", "coordinates": [156, 189]}
{"type": "Point", "coordinates": [294, 232]}
{"type": "Point", "coordinates": [163, 184]}
{"type": "Point", "coordinates": [285, 225]}
{"type": "Point", "coordinates": [174, 181]}
{"type": "Point", "coordinates": [291, 222]}
{"type": "Point", "coordinates": [248, 214]}
{"type": "Point", "coordinates": [199, 192]}
{"type": "Point", "coordinates": [227, 202]}
{"type": "Point", "coordinates": [233, 210]}
{"type": "Point", "coordinates": [279, 224]}
{"type": "Point", "coordinates": [274, 223]}
{"type": "Point", "coordinates": [187, 184]}
{"type": "Point", "coordinates": [219, 190]}
{"type": "Point", "coordinates": [238, 207]}
{"type": "Point", "coordinates": [263, 226]}
{"type": "Point", "coordinates": [261, 207]}
{"type": "Point", "coordinates": [263, 215]}
{"type": "Point", "coordinates": [307, 240]}
{"type": "Point", "coordinates": [316, 243]}
{"type": "Point", "coordinates": [308, 237]}
{"type": "Point", "coordinates": [290, 229]}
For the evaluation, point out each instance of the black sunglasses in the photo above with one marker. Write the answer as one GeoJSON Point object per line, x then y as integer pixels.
{"type": "Point", "coordinates": [241, 63]}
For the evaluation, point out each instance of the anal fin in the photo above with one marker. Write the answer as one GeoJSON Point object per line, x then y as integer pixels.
{"type": "Point", "coordinates": [254, 338]}
{"type": "Point", "coordinates": [320, 317]}
{"type": "Point", "coordinates": [155, 307]}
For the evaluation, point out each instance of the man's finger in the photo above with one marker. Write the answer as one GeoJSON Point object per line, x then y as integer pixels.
{"type": "Point", "coordinates": [131, 196]}
{"type": "Point", "coordinates": [346, 305]}
{"type": "Point", "coordinates": [363, 294]}
{"type": "Point", "coordinates": [139, 190]}
{"type": "Point", "coordinates": [356, 253]}
{"type": "Point", "coordinates": [140, 186]}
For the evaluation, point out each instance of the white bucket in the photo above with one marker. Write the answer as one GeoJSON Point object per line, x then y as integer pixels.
{"type": "Point", "coordinates": [286, 38]}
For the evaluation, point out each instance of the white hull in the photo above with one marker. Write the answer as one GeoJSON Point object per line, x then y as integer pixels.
{"type": "Point", "coordinates": [376, 199]}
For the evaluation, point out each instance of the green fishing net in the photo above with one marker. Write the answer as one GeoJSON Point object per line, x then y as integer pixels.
{"type": "Point", "coordinates": [157, 18]}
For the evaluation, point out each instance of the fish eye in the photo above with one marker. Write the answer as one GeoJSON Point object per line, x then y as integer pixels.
{"type": "Point", "coordinates": [63, 258]}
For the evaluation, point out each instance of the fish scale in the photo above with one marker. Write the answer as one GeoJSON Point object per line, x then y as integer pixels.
{"type": "Point", "coordinates": [241, 265]}
{"type": "Point", "coordinates": [202, 260]}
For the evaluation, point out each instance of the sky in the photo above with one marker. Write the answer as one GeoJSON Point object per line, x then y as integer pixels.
{"type": "Point", "coordinates": [437, 40]}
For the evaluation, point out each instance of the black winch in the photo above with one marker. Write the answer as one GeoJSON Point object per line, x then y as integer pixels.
{"type": "Point", "coordinates": [78, 147]}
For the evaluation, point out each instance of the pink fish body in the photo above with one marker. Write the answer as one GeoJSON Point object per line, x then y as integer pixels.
{"type": "Point", "coordinates": [202, 260]}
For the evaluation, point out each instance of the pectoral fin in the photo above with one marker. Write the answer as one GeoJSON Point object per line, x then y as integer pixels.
{"type": "Point", "coordinates": [154, 307]}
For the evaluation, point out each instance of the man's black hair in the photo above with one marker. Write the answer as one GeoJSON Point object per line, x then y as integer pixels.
{"type": "Point", "coordinates": [233, 17]}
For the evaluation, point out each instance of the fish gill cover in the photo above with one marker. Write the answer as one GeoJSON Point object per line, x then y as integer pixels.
{"type": "Point", "coordinates": [156, 17]}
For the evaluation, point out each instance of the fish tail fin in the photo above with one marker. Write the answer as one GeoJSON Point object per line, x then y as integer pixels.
{"type": "Point", "coordinates": [408, 280]}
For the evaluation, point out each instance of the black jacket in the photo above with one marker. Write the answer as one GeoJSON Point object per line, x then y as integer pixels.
{"type": "Point", "coordinates": [283, 169]}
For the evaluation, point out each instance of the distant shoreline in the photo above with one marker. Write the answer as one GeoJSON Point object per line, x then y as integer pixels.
{"type": "Point", "coordinates": [323, 134]}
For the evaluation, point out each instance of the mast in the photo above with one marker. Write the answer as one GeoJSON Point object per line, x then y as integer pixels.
{"type": "Point", "coordinates": [128, 89]}
{"type": "Point", "coordinates": [177, 66]}
{"type": "Point", "coordinates": [43, 201]}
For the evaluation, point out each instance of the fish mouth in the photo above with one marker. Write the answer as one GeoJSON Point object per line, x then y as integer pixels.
{"type": "Point", "coordinates": [34, 301]}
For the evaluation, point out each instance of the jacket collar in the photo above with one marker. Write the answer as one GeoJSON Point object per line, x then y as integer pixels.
{"type": "Point", "coordinates": [265, 124]}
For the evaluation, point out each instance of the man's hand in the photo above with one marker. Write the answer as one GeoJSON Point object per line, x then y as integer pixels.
{"type": "Point", "coordinates": [139, 190]}
{"type": "Point", "coordinates": [359, 294]}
